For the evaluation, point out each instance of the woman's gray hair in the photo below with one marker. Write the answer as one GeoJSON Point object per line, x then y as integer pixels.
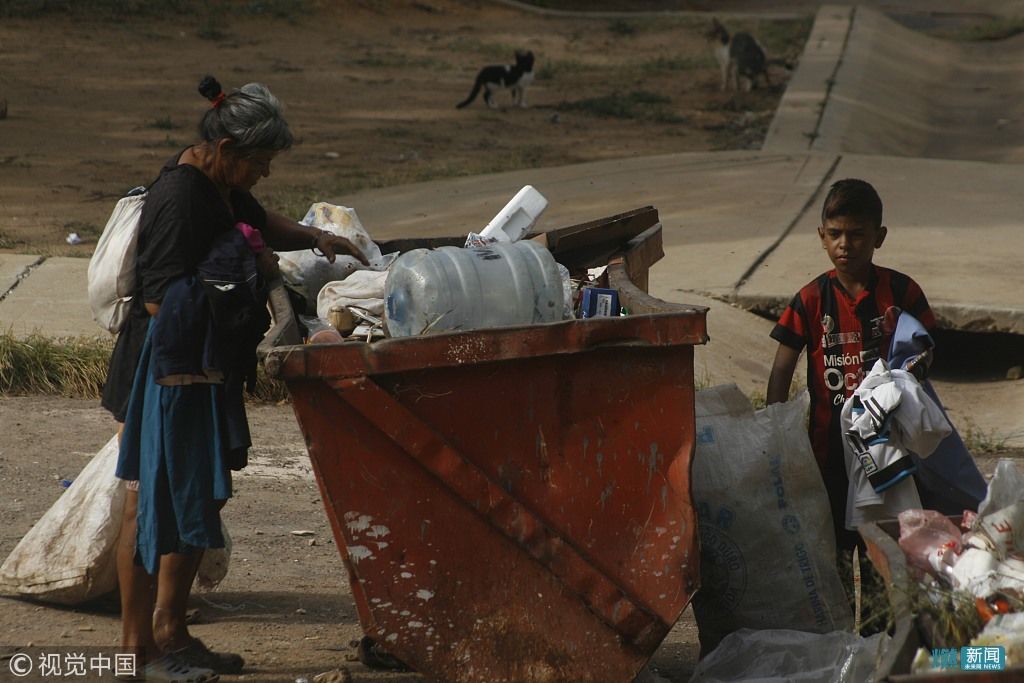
{"type": "Point", "coordinates": [250, 116]}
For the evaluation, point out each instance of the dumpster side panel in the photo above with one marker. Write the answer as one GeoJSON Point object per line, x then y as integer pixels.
{"type": "Point", "coordinates": [434, 583]}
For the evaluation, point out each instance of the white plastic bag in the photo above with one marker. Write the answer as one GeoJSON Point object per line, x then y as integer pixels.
{"type": "Point", "coordinates": [1005, 489]}
{"type": "Point", "coordinates": [786, 656]}
{"type": "Point", "coordinates": [767, 544]}
{"type": "Point", "coordinates": [70, 555]}
{"type": "Point", "coordinates": [308, 272]}
{"type": "Point", "coordinates": [111, 274]}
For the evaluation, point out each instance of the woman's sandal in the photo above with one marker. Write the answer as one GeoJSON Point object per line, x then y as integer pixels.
{"type": "Point", "coordinates": [171, 669]}
{"type": "Point", "coordinates": [197, 654]}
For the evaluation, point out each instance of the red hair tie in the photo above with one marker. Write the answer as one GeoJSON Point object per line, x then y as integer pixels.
{"type": "Point", "coordinates": [215, 102]}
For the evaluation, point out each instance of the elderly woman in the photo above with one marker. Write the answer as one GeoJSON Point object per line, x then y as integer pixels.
{"type": "Point", "coordinates": [179, 364]}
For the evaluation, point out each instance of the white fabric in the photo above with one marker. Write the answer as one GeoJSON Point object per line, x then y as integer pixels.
{"type": "Point", "coordinates": [363, 288]}
{"type": "Point", "coordinates": [899, 418]}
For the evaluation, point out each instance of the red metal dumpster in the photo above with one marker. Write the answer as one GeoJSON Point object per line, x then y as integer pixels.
{"type": "Point", "coordinates": [512, 504]}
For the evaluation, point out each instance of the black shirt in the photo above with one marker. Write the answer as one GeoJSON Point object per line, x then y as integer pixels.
{"type": "Point", "coordinates": [182, 215]}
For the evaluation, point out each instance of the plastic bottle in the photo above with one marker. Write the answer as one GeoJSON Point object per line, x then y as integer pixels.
{"type": "Point", "coordinates": [450, 289]}
{"type": "Point", "coordinates": [518, 216]}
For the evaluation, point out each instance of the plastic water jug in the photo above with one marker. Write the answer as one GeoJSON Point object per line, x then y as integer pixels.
{"type": "Point", "coordinates": [517, 217]}
{"type": "Point", "coordinates": [447, 289]}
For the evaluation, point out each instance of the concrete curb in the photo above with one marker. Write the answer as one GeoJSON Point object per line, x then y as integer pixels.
{"type": "Point", "coordinates": [796, 121]}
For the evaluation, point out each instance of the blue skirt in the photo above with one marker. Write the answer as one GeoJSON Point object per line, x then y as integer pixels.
{"type": "Point", "coordinates": [172, 445]}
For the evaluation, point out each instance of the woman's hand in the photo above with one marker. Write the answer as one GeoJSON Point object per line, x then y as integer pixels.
{"type": "Point", "coordinates": [331, 245]}
{"type": "Point", "coordinates": [266, 263]}
{"type": "Point", "coordinates": [284, 234]}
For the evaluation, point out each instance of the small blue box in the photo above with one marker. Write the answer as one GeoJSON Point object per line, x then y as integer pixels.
{"type": "Point", "coordinates": [598, 303]}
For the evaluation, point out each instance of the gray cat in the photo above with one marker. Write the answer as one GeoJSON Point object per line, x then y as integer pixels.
{"type": "Point", "coordinates": [739, 56]}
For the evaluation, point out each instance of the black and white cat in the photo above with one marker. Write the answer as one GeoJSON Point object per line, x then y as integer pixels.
{"type": "Point", "coordinates": [739, 56]}
{"type": "Point", "coordinates": [515, 76]}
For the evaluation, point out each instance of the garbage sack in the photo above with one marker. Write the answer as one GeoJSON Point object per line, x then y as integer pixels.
{"type": "Point", "coordinates": [363, 288]}
{"type": "Point", "coordinates": [786, 656]}
{"type": "Point", "coordinates": [307, 272]}
{"type": "Point", "coordinates": [70, 555]}
{"type": "Point", "coordinates": [767, 544]}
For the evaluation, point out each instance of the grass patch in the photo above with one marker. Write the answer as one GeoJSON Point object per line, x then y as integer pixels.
{"type": "Point", "coordinates": [54, 367]}
{"type": "Point", "coordinates": [76, 368]}
{"type": "Point", "coordinates": [637, 104]}
{"type": "Point", "coordinates": [978, 440]}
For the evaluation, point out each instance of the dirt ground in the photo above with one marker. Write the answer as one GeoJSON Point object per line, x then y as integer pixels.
{"type": "Point", "coordinates": [95, 107]}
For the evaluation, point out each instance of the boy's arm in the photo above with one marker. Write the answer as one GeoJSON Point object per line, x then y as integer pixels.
{"type": "Point", "coordinates": [781, 376]}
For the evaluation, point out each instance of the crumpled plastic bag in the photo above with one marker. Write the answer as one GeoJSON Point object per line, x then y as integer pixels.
{"type": "Point", "coordinates": [785, 656]}
{"type": "Point", "coordinates": [307, 272]}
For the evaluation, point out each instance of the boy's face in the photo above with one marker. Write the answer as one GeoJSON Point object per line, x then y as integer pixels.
{"type": "Point", "coordinates": [850, 243]}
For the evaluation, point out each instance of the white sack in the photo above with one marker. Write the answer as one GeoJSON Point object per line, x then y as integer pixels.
{"type": "Point", "coordinates": [69, 556]}
{"type": "Point", "coordinates": [767, 544]}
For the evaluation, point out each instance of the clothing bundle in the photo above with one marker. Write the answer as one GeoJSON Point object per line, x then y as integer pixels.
{"type": "Point", "coordinates": [894, 426]}
{"type": "Point", "coordinates": [886, 420]}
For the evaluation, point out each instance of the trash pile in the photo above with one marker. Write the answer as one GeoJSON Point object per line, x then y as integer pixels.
{"type": "Point", "coordinates": [498, 278]}
{"type": "Point", "coordinates": [980, 562]}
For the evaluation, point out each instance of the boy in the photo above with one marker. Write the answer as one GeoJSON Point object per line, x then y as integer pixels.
{"type": "Point", "coordinates": [840, 317]}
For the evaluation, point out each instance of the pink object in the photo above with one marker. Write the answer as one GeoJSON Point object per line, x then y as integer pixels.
{"type": "Point", "coordinates": [253, 236]}
{"type": "Point", "coordinates": [929, 539]}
